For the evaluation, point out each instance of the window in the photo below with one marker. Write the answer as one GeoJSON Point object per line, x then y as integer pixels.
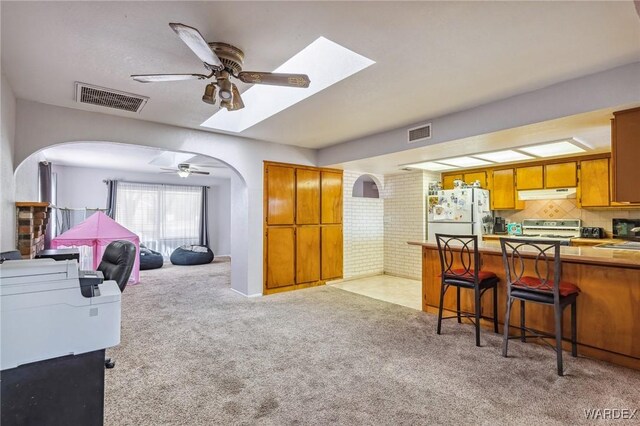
{"type": "Point", "coordinates": [163, 216]}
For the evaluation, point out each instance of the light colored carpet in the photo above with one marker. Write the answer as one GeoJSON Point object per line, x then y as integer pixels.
{"type": "Point", "coordinates": [194, 352]}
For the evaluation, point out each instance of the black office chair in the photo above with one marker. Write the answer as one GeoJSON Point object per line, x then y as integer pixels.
{"type": "Point", "coordinates": [116, 265]}
{"type": "Point", "coordinates": [460, 267]}
{"type": "Point", "coordinates": [545, 287]}
{"type": "Point", "coordinates": [117, 262]}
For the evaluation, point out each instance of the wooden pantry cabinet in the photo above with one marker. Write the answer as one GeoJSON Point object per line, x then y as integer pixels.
{"type": "Point", "coordinates": [302, 227]}
{"type": "Point", "coordinates": [625, 153]}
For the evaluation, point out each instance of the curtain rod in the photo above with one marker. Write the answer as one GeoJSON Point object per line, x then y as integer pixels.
{"type": "Point", "coordinates": [77, 208]}
{"type": "Point", "coordinates": [106, 181]}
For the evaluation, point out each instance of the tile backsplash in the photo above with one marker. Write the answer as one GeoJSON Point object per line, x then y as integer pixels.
{"type": "Point", "coordinates": [567, 209]}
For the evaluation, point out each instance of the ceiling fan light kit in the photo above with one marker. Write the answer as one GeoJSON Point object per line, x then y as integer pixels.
{"type": "Point", "coordinates": [224, 61]}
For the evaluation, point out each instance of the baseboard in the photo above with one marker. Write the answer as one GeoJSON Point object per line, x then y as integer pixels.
{"type": "Point", "coordinates": [246, 295]}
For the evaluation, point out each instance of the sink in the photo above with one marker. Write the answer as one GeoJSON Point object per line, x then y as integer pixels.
{"type": "Point", "coordinates": [627, 245]}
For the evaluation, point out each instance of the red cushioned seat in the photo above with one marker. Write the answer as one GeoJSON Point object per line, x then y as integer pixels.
{"type": "Point", "coordinates": [460, 274]}
{"type": "Point", "coordinates": [566, 288]}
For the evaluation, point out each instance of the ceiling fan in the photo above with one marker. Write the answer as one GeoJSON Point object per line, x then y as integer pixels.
{"type": "Point", "coordinates": [223, 61]}
{"type": "Point", "coordinates": [185, 170]}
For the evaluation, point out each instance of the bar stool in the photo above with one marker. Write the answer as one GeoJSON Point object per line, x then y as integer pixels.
{"type": "Point", "coordinates": [546, 287]}
{"type": "Point", "coordinates": [466, 274]}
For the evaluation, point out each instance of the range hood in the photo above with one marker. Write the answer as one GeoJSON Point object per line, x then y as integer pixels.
{"type": "Point", "coordinates": [547, 194]}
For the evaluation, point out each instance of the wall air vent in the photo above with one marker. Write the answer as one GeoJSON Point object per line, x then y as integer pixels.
{"type": "Point", "coordinates": [101, 96]}
{"type": "Point", "coordinates": [419, 133]}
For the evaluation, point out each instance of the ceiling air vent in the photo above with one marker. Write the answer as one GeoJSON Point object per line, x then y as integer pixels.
{"type": "Point", "coordinates": [419, 133]}
{"type": "Point", "coordinates": [101, 96]}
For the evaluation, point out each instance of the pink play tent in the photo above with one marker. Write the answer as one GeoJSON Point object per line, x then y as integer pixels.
{"type": "Point", "coordinates": [97, 231]}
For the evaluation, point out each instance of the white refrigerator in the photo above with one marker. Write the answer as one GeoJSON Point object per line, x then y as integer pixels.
{"type": "Point", "coordinates": [458, 211]}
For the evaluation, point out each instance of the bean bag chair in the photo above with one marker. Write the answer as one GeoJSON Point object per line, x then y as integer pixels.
{"type": "Point", "coordinates": [191, 255]}
{"type": "Point", "coordinates": [150, 259]}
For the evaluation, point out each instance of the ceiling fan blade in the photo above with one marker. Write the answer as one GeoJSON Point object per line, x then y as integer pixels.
{"type": "Point", "coordinates": [192, 38]}
{"type": "Point", "coordinates": [169, 170]}
{"type": "Point", "coordinates": [198, 172]}
{"type": "Point", "coordinates": [151, 78]}
{"type": "Point", "coordinates": [168, 173]}
{"type": "Point", "coordinates": [275, 79]}
{"type": "Point", "coordinates": [236, 101]}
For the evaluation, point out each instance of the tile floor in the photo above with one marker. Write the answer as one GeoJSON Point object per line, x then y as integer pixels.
{"type": "Point", "coordinates": [401, 291]}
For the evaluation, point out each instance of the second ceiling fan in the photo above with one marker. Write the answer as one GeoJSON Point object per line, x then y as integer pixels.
{"type": "Point", "coordinates": [223, 61]}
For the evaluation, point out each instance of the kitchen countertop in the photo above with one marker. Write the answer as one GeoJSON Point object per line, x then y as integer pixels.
{"type": "Point", "coordinates": [579, 239]}
{"type": "Point", "coordinates": [572, 254]}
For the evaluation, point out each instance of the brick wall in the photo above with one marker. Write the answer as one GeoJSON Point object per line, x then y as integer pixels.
{"type": "Point", "coordinates": [405, 220]}
{"type": "Point", "coordinates": [363, 230]}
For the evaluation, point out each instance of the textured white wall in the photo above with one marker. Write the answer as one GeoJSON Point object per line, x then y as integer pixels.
{"type": "Point", "coordinates": [84, 187]}
{"type": "Point", "coordinates": [363, 230]}
{"type": "Point", "coordinates": [7, 180]}
{"type": "Point", "coordinates": [405, 220]}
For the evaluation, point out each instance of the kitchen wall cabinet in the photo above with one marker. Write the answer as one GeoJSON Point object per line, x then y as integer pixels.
{"type": "Point", "coordinates": [625, 153]}
{"type": "Point", "coordinates": [503, 190]}
{"type": "Point", "coordinates": [561, 175]}
{"type": "Point", "coordinates": [470, 178]}
{"type": "Point", "coordinates": [594, 183]}
{"type": "Point", "coordinates": [303, 226]}
{"type": "Point", "coordinates": [447, 180]}
{"type": "Point", "coordinates": [530, 177]}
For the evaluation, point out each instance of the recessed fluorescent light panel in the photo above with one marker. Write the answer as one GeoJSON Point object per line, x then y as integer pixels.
{"type": "Point", "coordinates": [503, 156]}
{"type": "Point", "coordinates": [431, 166]}
{"type": "Point", "coordinates": [324, 61]}
{"type": "Point", "coordinates": [553, 149]}
{"type": "Point", "coordinates": [465, 162]}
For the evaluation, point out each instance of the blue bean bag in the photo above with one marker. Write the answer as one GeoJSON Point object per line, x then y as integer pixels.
{"type": "Point", "coordinates": [191, 255]}
{"type": "Point", "coordinates": [150, 259]}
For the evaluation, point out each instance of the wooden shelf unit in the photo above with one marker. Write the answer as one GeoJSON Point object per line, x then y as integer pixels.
{"type": "Point", "coordinates": [31, 224]}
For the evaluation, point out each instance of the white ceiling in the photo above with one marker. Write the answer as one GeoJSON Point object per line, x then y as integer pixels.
{"type": "Point", "coordinates": [102, 155]}
{"type": "Point", "coordinates": [432, 58]}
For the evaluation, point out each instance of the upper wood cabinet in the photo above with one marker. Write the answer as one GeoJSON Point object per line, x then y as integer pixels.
{"type": "Point", "coordinates": [280, 256]}
{"type": "Point", "coordinates": [561, 175]}
{"type": "Point", "coordinates": [331, 197]}
{"type": "Point", "coordinates": [594, 183]}
{"type": "Point", "coordinates": [447, 180]}
{"type": "Point", "coordinates": [280, 185]}
{"type": "Point", "coordinates": [503, 190]}
{"type": "Point", "coordinates": [625, 155]}
{"type": "Point", "coordinates": [530, 177]}
{"type": "Point", "coordinates": [470, 178]}
{"type": "Point", "coordinates": [307, 196]}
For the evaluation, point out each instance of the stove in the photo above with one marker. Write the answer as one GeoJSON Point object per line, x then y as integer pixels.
{"type": "Point", "coordinates": [558, 230]}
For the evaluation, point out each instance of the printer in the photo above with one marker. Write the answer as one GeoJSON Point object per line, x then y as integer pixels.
{"type": "Point", "coordinates": [56, 323]}
{"type": "Point", "coordinates": [45, 315]}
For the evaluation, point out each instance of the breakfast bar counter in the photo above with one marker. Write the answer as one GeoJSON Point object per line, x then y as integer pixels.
{"type": "Point", "coordinates": [608, 304]}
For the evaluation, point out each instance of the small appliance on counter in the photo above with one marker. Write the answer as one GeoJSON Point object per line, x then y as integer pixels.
{"type": "Point", "coordinates": [514, 228]}
{"type": "Point", "coordinates": [591, 232]}
{"type": "Point", "coordinates": [628, 229]}
{"type": "Point", "coordinates": [500, 225]}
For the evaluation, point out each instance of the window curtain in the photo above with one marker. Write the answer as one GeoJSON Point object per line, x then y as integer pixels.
{"type": "Point", "coordinates": [45, 189]}
{"type": "Point", "coordinates": [163, 216]}
{"type": "Point", "coordinates": [112, 194]}
{"type": "Point", "coordinates": [204, 215]}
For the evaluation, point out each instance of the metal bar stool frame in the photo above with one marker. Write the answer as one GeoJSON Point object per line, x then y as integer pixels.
{"type": "Point", "coordinates": [466, 277]}
{"type": "Point", "coordinates": [543, 289]}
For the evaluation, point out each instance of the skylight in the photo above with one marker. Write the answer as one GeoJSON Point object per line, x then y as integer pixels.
{"type": "Point", "coordinates": [324, 61]}
{"type": "Point", "coordinates": [431, 166]}
{"type": "Point", "coordinates": [503, 156]}
{"type": "Point", "coordinates": [553, 149]}
{"type": "Point", "coordinates": [465, 162]}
